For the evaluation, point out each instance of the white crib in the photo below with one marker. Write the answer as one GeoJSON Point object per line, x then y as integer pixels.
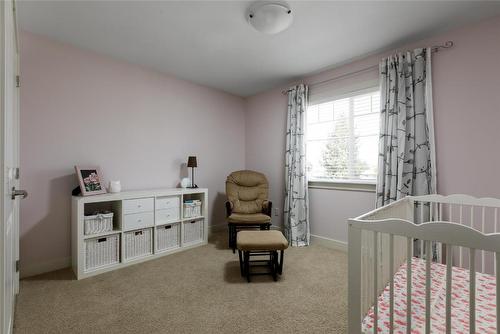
{"type": "Point", "coordinates": [448, 248]}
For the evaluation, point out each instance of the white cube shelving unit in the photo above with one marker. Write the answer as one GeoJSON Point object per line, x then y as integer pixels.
{"type": "Point", "coordinates": [150, 223]}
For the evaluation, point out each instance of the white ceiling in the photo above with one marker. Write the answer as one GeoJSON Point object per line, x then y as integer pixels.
{"type": "Point", "coordinates": [210, 42]}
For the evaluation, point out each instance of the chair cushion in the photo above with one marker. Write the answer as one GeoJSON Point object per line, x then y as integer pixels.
{"type": "Point", "coordinates": [249, 218]}
{"type": "Point", "coordinates": [261, 240]}
{"type": "Point", "coordinates": [247, 191]}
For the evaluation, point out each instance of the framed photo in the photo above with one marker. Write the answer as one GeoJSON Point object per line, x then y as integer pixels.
{"type": "Point", "coordinates": [90, 180]}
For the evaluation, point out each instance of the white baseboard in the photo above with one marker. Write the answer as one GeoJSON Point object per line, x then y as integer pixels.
{"type": "Point", "coordinates": [330, 243]}
{"type": "Point", "coordinates": [33, 269]}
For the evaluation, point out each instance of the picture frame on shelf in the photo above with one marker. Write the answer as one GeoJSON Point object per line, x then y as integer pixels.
{"type": "Point", "coordinates": [90, 180]}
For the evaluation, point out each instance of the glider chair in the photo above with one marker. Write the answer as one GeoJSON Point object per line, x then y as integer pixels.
{"type": "Point", "coordinates": [247, 206]}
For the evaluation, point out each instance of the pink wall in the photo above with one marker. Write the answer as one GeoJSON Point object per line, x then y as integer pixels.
{"type": "Point", "coordinates": [466, 83]}
{"type": "Point", "coordinates": [80, 108]}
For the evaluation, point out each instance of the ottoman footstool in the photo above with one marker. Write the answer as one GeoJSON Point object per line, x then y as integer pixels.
{"type": "Point", "coordinates": [264, 245]}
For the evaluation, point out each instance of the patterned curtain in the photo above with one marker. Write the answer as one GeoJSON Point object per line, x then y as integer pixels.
{"type": "Point", "coordinates": [296, 208]}
{"type": "Point", "coordinates": [406, 163]}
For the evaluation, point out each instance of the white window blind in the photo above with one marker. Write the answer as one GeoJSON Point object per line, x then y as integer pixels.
{"type": "Point", "coordinates": [342, 138]}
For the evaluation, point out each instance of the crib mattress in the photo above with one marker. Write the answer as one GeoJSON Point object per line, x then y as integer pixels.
{"type": "Point", "coordinates": [485, 301]}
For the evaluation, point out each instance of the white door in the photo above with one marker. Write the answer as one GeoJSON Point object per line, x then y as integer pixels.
{"type": "Point", "coordinates": [9, 156]}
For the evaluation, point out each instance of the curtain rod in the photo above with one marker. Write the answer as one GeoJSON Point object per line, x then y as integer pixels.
{"type": "Point", "coordinates": [435, 48]}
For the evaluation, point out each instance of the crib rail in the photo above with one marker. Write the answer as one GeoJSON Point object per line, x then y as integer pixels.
{"type": "Point", "coordinates": [449, 234]}
{"type": "Point", "coordinates": [478, 213]}
{"type": "Point", "coordinates": [431, 219]}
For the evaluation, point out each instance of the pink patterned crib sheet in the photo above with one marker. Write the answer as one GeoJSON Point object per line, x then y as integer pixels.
{"type": "Point", "coordinates": [485, 301]}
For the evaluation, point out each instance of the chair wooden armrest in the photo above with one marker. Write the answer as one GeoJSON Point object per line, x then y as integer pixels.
{"type": "Point", "coordinates": [267, 208]}
{"type": "Point", "coordinates": [229, 208]}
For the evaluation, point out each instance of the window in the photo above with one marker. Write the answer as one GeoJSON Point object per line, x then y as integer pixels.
{"type": "Point", "coordinates": [342, 138]}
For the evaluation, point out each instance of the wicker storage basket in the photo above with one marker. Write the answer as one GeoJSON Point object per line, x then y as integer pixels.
{"type": "Point", "coordinates": [168, 237]}
{"type": "Point", "coordinates": [193, 231]}
{"type": "Point", "coordinates": [98, 223]}
{"type": "Point", "coordinates": [137, 243]}
{"type": "Point", "coordinates": [192, 209]}
{"type": "Point", "coordinates": [101, 252]}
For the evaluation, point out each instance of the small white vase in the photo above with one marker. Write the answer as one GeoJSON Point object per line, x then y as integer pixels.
{"type": "Point", "coordinates": [115, 186]}
{"type": "Point", "coordinates": [185, 182]}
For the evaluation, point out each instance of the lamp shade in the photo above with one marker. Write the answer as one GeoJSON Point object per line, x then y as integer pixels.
{"type": "Point", "coordinates": [192, 162]}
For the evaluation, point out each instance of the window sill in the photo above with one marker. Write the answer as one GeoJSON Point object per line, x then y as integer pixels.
{"type": "Point", "coordinates": [362, 186]}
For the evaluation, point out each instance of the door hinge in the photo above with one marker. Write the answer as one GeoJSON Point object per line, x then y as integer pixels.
{"type": "Point", "coordinates": [18, 81]}
{"type": "Point", "coordinates": [17, 266]}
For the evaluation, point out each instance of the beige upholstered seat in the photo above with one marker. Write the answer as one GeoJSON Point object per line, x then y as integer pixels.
{"type": "Point", "coordinates": [261, 240]}
{"type": "Point", "coordinates": [249, 218]}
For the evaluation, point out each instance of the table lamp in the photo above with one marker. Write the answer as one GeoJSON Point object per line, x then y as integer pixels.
{"type": "Point", "coordinates": [192, 163]}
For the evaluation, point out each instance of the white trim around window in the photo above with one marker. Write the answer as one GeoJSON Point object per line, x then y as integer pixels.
{"type": "Point", "coordinates": [353, 185]}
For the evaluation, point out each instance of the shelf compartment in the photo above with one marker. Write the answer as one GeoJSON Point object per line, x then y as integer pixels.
{"type": "Point", "coordinates": [192, 231]}
{"type": "Point", "coordinates": [168, 237]}
{"type": "Point", "coordinates": [102, 252]}
{"type": "Point", "coordinates": [193, 205]}
{"type": "Point", "coordinates": [102, 209]}
{"type": "Point", "coordinates": [137, 243]}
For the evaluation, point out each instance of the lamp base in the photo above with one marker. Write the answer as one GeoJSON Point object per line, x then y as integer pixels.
{"type": "Point", "coordinates": [193, 186]}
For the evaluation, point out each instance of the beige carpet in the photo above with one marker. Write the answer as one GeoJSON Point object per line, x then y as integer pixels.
{"type": "Point", "coordinates": [196, 291]}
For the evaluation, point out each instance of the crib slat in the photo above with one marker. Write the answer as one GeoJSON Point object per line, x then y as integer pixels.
{"type": "Point", "coordinates": [375, 281]}
{"type": "Point", "coordinates": [496, 220]}
{"type": "Point", "coordinates": [431, 211]}
{"type": "Point", "coordinates": [428, 286]}
{"type": "Point", "coordinates": [496, 229]}
{"type": "Point", "coordinates": [439, 245]}
{"type": "Point", "coordinates": [472, 216]}
{"type": "Point", "coordinates": [482, 231]}
{"type": "Point", "coordinates": [422, 220]}
{"type": "Point", "coordinates": [472, 291]}
{"type": "Point", "coordinates": [409, 248]}
{"type": "Point", "coordinates": [449, 255]}
{"type": "Point", "coordinates": [391, 287]}
{"type": "Point", "coordinates": [497, 264]}
{"type": "Point", "coordinates": [422, 204]}
{"type": "Point", "coordinates": [450, 212]}
{"type": "Point", "coordinates": [460, 257]}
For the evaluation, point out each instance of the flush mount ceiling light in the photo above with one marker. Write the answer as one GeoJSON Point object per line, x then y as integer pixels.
{"type": "Point", "coordinates": [270, 17]}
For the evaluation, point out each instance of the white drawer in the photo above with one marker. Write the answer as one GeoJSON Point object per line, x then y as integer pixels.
{"type": "Point", "coordinates": [166, 215]}
{"type": "Point", "coordinates": [167, 202]}
{"type": "Point", "coordinates": [138, 220]}
{"type": "Point", "coordinates": [138, 205]}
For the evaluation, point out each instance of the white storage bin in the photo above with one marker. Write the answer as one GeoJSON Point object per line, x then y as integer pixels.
{"type": "Point", "coordinates": [137, 243]}
{"type": "Point", "coordinates": [165, 216]}
{"type": "Point", "coordinates": [193, 231]}
{"type": "Point", "coordinates": [168, 202]}
{"type": "Point", "coordinates": [137, 221]}
{"type": "Point", "coordinates": [192, 209]}
{"type": "Point", "coordinates": [99, 223]}
{"type": "Point", "coordinates": [168, 237]}
{"type": "Point", "coordinates": [100, 252]}
{"type": "Point", "coordinates": [138, 205]}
